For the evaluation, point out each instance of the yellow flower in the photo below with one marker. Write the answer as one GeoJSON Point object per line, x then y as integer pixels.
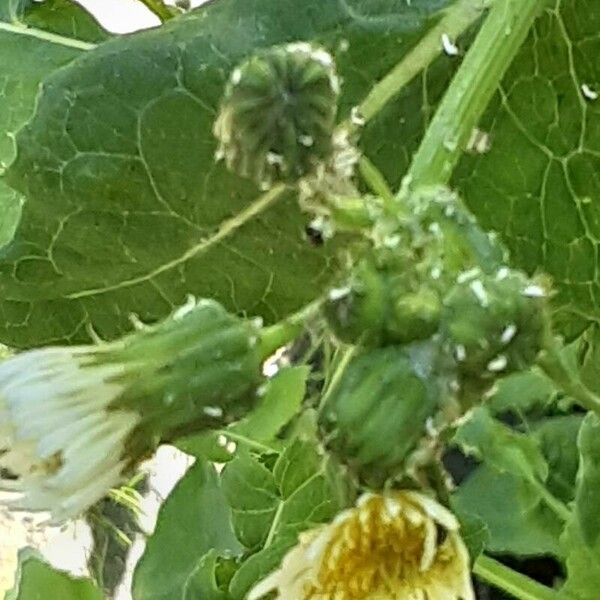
{"type": "Point", "coordinates": [398, 546]}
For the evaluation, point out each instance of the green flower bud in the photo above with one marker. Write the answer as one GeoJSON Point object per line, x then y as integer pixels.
{"type": "Point", "coordinates": [277, 116]}
{"type": "Point", "coordinates": [414, 316]}
{"type": "Point", "coordinates": [356, 312]}
{"type": "Point", "coordinates": [494, 323]}
{"type": "Point", "coordinates": [376, 415]}
{"type": "Point", "coordinates": [74, 419]}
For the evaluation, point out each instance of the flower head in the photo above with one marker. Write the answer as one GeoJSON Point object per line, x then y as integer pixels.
{"type": "Point", "coordinates": [73, 420]}
{"type": "Point", "coordinates": [401, 546]}
{"type": "Point", "coordinates": [58, 435]}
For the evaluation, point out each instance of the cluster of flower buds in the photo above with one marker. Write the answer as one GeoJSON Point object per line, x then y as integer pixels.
{"type": "Point", "coordinates": [74, 420]}
{"type": "Point", "coordinates": [438, 281]}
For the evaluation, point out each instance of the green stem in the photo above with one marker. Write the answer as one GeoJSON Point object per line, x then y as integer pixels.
{"type": "Point", "coordinates": [495, 573]}
{"type": "Point", "coordinates": [286, 331]}
{"type": "Point", "coordinates": [559, 508]}
{"type": "Point", "coordinates": [553, 365]}
{"type": "Point", "coordinates": [162, 11]}
{"type": "Point", "coordinates": [455, 21]}
{"type": "Point", "coordinates": [376, 181]}
{"type": "Point", "coordinates": [502, 34]}
{"type": "Point", "coordinates": [347, 354]}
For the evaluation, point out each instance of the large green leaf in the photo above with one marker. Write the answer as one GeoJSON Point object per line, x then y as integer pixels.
{"type": "Point", "coordinates": [539, 183]}
{"type": "Point", "coordinates": [127, 210]}
{"type": "Point", "coordinates": [581, 539]}
{"type": "Point", "coordinates": [35, 40]}
{"type": "Point", "coordinates": [516, 519]}
{"type": "Point", "coordinates": [194, 519]}
{"type": "Point", "coordinates": [37, 580]}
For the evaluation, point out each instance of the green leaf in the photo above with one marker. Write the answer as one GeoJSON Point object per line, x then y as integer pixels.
{"type": "Point", "coordinates": [581, 539]}
{"type": "Point", "coordinates": [502, 448]}
{"type": "Point", "coordinates": [194, 519]}
{"type": "Point", "coordinates": [557, 438]}
{"type": "Point", "coordinates": [35, 40]}
{"type": "Point", "coordinates": [127, 210]}
{"type": "Point", "coordinates": [253, 496]}
{"type": "Point", "coordinates": [521, 392]}
{"type": "Point", "coordinates": [538, 184]}
{"type": "Point", "coordinates": [474, 532]}
{"type": "Point", "coordinates": [202, 582]}
{"type": "Point", "coordinates": [271, 508]}
{"type": "Point", "coordinates": [259, 565]}
{"type": "Point", "coordinates": [37, 580]}
{"type": "Point", "coordinates": [281, 399]}
{"type": "Point", "coordinates": [516, 519]}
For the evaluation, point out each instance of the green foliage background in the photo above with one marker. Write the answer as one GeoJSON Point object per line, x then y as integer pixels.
{"type": "Point", "coordinates": [106, 148]}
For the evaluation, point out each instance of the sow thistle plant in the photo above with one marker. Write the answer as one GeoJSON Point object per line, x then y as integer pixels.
{"type": "Point", "coordinates": [380, 334]}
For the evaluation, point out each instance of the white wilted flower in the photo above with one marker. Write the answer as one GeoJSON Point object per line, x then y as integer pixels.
{"type": "Point", "coordinates": [387, 548]}
{"type": "Point", "coordinates": [74, 420]}
{"type": "Point", "coordinates": [60, 438]}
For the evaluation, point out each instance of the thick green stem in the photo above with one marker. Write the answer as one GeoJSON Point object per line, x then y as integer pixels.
{"type": "Point", "coordinates": [502, 34]}
{"type": "Point", "coordinates": [286, 331]}
{"type": "Point", "coordinates": [457, 19]}
{"type": "Point", "coordinates": [161, 10]}
{"type": "Point", "coordinates": [553, 365]}
{"type": "Point", "coordinates": [495, 573]}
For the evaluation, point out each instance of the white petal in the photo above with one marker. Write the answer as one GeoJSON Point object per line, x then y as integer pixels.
{"type": "Point", "coordinates": [89, 495]}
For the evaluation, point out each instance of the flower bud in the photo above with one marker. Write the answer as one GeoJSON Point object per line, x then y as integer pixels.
{"type": "Point", "coordinates": [277, 117]}
{"type": "Point", "coordinates": [414, 316]}
{"type": "Point", "coordinates": [376, 414]}
{"type": "Point", "coordinates": [494, 323]}
{"type": "Point", "coordinates": [73, 420]}
{"type": "Point", "coordinates": [356, 312]}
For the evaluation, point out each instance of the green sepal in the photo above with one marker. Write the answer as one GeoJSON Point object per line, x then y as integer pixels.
{"type": "Point", "coordinates": [197, 369]}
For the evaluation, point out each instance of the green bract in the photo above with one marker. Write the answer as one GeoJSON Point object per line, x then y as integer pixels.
{"type": "Point", "coordinates": [278, 113]}
{"type": "Point", "coordinates": [200, 366]}
{"type": "Point", "coordinates": [376, 414]}
{"type": "Point", "coordinates": [356, 312]}
{"type": "Point", "coordinates": [494, 323]}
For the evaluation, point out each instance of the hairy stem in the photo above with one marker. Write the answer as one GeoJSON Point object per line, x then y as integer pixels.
{"type": "Point", "coordinates": [502, 34]}
{"type": "Point", "coordinates": [455, 21]}
{"type": "Point", "coordinates": [495, 573]}
{"type": "Point", "coordinates": [161, 10]}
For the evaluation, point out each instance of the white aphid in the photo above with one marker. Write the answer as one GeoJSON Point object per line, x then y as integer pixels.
{"type": "Point", "coordinates": [497, 364]}
{"type": "Point", "coordinates": [508, 334]}
{"type": "Point", "coordinates": [450, 48]}
{"type": "Point", "coordinates": [589, 93]}
{"type": "Point", "coordinates": [480, 293]}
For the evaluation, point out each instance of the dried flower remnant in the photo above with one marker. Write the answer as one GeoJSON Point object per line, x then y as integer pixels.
{"type": "Point", "coordinates": [387, 548]}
